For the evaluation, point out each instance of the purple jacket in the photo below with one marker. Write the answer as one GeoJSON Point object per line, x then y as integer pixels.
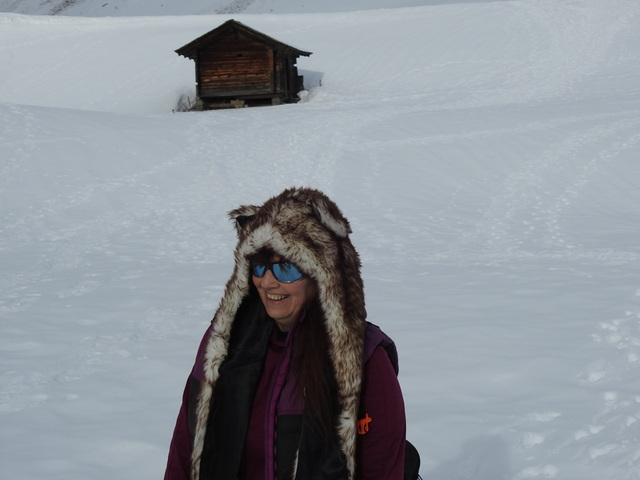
{"type": "Point", "coordinates": [380, 445]}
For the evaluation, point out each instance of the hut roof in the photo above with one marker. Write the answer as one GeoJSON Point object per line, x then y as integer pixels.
{"type": "Point", "coordinates": [189, 50]}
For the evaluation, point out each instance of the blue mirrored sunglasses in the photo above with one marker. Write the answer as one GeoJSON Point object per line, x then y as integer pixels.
{"type": "Point", "coordinates": [284, 272]}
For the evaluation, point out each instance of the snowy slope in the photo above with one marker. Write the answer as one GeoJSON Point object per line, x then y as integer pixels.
{"type": "Point", "coordinates": [486, 154]}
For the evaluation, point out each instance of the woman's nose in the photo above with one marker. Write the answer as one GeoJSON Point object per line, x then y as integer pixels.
{"type": "Point", "coordinates": [269, 281]}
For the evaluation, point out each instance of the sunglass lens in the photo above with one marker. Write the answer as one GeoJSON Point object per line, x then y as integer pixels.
{"type": "Point", "coordinates": [286, 272]}
{"type": "Point", "coordinates": [258, 270]}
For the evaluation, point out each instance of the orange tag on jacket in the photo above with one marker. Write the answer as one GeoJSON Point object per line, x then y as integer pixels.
{"type": "Point", "coordinates": [363, 424]}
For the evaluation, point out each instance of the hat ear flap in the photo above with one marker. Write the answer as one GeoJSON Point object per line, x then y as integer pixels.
{"type": "Point", "coordinates": [243, 220]}
{"type": "Point", "coordinates": [243, 216]}
{"type": "Point", "coordinates": [331, 217]}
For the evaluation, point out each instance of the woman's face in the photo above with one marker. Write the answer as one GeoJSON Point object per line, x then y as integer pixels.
{"type": "Point", "coordinates": [283, 301]}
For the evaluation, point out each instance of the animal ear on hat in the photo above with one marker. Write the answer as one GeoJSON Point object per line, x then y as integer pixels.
{"type": "Point", "coordinates": [243, 216]}
{"type": "Point", "coordinates": [331, 217]}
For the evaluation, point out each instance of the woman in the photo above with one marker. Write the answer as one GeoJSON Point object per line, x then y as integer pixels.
{"type": "Point", "coordinates": [290, 381]}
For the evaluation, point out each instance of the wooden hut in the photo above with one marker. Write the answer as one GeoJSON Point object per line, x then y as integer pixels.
{"type": "Point", "coordinates": [237, 65]}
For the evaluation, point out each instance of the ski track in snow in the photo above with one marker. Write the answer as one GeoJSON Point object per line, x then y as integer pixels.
{"type": "Point", "coordinates": [583, 43]}
{"type": "Point", "coordinates": [528, 205]}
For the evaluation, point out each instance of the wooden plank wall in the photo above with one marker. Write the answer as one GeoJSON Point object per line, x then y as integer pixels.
{"type": "Point", "coordinates": [236, 65]}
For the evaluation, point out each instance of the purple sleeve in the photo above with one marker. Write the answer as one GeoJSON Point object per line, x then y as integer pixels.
{"type": "Point", "coordinates": [381, 438]}
{"type": "Point", "coordinates": [179, 461]}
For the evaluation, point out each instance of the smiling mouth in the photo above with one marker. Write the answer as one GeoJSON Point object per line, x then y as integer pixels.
{"type": "Point", "coordinates": [276, 298]}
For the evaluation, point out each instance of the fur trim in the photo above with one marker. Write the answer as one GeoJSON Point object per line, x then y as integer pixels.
{"type": "Point", "coordinates": [307, 228]}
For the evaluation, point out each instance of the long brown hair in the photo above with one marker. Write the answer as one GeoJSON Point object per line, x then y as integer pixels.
{"type": "Point", "coordinates": [315, 380]}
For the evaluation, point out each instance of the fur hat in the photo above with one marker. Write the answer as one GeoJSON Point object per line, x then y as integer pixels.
{"type": "Point", "coordinates": [304, 226]}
